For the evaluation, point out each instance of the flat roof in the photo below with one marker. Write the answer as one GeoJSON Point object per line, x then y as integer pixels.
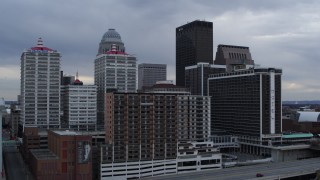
{"type": "Point", "coordinates": [42, 154]}
{"type": "Point", "coordinates": [78, 133]}
{"type": "Point", "coordinates": [297, 135]}
{"type": "Point", "coordinates": [66, 132]}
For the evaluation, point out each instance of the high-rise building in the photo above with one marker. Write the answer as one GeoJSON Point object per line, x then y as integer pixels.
{"type": "Point", "coordinates": [149, 74]}
{"type": "Point", "coordinates": [247, 102]}
{"type": "Point", "coordinates": [40, 87]}
{"type": "Point", "coordinates": [79, 106]}
{"type": "Point", "coordinates": [234, 57]}
{"type": "Point", "coordinates": [196, 77]}
{"type": "Point", "coordinates": [113, 69]}
{"type": "Point", "coordinates": [163, 132]}
{"type": "Point", "coordinates": [194, 43]}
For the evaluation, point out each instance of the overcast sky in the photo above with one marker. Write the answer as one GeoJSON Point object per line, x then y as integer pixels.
{"type": "Point", "coordinates": [280, 33]}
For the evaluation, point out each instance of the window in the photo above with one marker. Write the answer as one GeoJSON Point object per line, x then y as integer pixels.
{"type": "Point", "coordinates": [64, 154]}
{"type": "Point", "coordinates": [64, 167]}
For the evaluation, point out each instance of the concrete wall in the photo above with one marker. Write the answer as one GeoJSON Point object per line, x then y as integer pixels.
{"type": "Point", "coordinates": [289, 155]}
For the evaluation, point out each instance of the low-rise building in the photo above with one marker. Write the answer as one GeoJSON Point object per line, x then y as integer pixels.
{"type": "Point", "coordinates": [191, 157]}
{"type": "Point", "coordinates": [69, 156]}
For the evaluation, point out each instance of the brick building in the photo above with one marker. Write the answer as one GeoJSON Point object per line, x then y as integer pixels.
{"type": "Point", "coordinates": [69, 157]}
{"type": "Point", "coordinates": [155, 129]}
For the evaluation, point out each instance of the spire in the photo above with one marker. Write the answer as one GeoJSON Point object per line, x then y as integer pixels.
{"type": "Point", "coordinates": [77, 75]}
{"type": "Point", "coordinates": [77, 81]}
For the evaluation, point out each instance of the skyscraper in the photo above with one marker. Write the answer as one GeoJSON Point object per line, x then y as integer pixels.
{"type": "Point", "coordinates": [149, 74]}
{"type": "Point", "coordinates": [247, 102]}
{"type": "Point", "coordinates": [196, 77]}
{"type": "Point", "coordinates": [113, 69]}
{"type": "Point", "coordinates": [194, 43]}
{"type": "Point", "coordinates": [40, 87]}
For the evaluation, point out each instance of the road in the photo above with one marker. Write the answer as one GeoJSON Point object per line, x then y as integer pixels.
{"type": "Point", "coordinates": [15, 168]}
{"type": "Point", "coordinates": [283, 169]}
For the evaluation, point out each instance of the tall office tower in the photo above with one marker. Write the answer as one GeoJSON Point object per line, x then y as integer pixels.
{"type": "Point", "coordinates": [113, 69]}
{"type": "Point", "coordinates": [247, 102]}
{"type": "Point", "coordinates": [40, 87]}
{"type": "Point", "coordinates": [196, 77]}
{"type": "Point", "coordinates": [79, 106]}
{"type": "Point", "coordinates": [149, 74]}
{"type": "Point", "coordinates": [234, 57]}
{"type": "Point", "coordinates": [194, 43]}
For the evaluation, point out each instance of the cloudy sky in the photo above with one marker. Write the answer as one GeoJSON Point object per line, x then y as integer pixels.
{"type": "Point", "coordinates": [280, 33]}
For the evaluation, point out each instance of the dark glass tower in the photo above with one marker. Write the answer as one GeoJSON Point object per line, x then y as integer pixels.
{"type": "Point", "coordinates": [194, 43]}
{"type": "Point", "coordinates": [246, 102]}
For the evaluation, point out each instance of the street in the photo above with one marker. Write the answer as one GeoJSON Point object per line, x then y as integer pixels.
{"type": "Point", "coordinates": [14, 165]}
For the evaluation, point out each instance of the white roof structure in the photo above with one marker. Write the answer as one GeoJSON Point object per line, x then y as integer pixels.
{"type": "Point", "coordinates": [305, 116]}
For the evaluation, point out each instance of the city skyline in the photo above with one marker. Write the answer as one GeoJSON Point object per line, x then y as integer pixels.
{"type": "Point", "coordinates": [280, 34]}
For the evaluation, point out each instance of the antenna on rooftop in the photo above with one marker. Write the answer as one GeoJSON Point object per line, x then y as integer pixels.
{"type": "Point", "coordinates": [77, 75]}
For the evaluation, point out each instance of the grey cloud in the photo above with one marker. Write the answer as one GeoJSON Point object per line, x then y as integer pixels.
{"type": "Point", "coordinates": [147, 28]}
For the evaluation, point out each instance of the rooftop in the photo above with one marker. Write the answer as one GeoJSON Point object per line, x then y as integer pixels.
{"type": "Point", "coordinates": [40, 46]}
{"type": "Point", "coordinates": [232, 46]}
{"type": "Point", "coordinates": [77, 133]}
{"type": "Point", "coordinates": [111, 36]}
{"type": "Point", "coordinates": [66, 132]}
{"type": "Point", "coordinates": [305, 116]}
{"type": "Point", "coordinates": [297, 135]}
{"type": "Point", "coordinates": [43, 154]}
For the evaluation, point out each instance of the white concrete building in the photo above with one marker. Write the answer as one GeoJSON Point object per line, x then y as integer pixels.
{"type": "Point", "coordinates": [194, 118]}
{"type": "Point", "coordinates": [191, 157]}
{"type": "Point", "coordinates": [79, 105]}
{"type": "Point", "coordinates": [40, 87]}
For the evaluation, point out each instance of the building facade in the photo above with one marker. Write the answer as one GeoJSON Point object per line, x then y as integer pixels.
{"type": "Point", "coordinates": [15, 118]}
{"type": "Point", "coordinates": [79, 106]}
{"type": "Point", "coordinates": [40, 87]}
{"type": "Point", "coordinates": [149, 74]}
{"type": "Point", "coordinates": [196, 77]}
{"type": "Point", "coordinates": [191, 157]}
{"type": "Point", "coordinates": [157, 133]}
{"type": "Point", "coordinates": [69, 157]}
{"type": "Point", "coordinates": [194, 43]}
{"type": "Point", "coordinates": [66, 79]}
{"type": "Point", "coordinates": [234, 57]}
{"type": "Point", "coordinates": [247, 102]}
{"type": "Point", "coordinates": [113, 69]}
